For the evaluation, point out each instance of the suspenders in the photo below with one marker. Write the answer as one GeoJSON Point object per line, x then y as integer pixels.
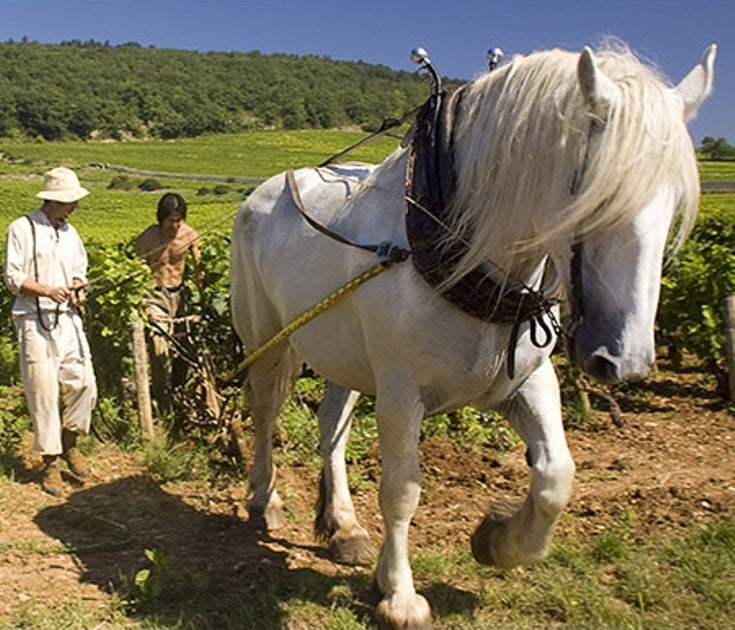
{"type": "Point", "coordinates": [55, 322]}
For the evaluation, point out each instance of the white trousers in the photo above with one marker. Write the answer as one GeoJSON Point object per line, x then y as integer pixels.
{"type": "Point", "coordinates": [51, 363]}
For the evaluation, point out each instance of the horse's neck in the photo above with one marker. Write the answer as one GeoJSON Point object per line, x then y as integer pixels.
{"type": "Point", "coordinates": [391, 173]}
{"type": "Point", "coordinates": [373, 208]}
{"type": "Point", "coordinates": [381, 203]}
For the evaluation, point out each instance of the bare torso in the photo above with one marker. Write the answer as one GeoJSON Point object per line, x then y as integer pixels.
{"type": "Point", "coordinates": [165, 250]}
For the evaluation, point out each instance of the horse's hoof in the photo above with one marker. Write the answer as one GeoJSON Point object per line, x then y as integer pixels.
{"type": "Point", "coordinates": [403, 611]}
{"type": "Point", "coordinates": [270, 519]}
{"type": "Point", "coordinates": [353, 548]}
{"type": "Point", "coordinates": [490, 543]}
{"type": "Point", "coordinates": [481, 542]}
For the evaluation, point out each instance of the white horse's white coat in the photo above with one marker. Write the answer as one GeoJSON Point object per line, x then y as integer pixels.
{"type": "Point", "coordinates": [523, 132]}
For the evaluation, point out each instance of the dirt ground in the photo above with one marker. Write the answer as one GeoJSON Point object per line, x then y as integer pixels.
{"type": "Point", "coordinates": [671, 462]}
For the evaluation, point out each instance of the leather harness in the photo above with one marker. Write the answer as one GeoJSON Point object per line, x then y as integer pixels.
{"type": "Point", "coordinates": [430, 188]}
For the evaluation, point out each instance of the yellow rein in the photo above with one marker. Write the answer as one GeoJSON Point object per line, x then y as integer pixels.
{"type": "Point", "coordinates": [305, 317]}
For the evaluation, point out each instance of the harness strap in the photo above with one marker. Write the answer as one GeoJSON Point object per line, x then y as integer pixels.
{"type": "Point", "coordinates": [39, 314]}
{"type": "Point", "coordinates": [387, 125]}
{"type": "Point", "coordinates": [384, 250]}
{"type": "Point", "coordinates": [535, 323]}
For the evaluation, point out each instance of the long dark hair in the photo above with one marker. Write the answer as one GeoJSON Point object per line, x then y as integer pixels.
{"type": "Point", "coordinates": [169, 204]}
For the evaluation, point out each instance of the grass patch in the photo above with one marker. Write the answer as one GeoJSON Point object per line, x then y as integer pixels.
{"type": "Point", "coordinates": [613, 582]}
{"type": "Point", "coordinates": [249, 154]}
{"type": "Point", "coordinates": [76, 612]}
{"type": "Point", "coordinates": [717, 203]}
{"type": "Point", "coordinates": [175, 461]}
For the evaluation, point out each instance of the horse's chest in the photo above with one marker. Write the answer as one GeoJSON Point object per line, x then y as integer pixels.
{"type": "Point", "coordinates": [465, 371]}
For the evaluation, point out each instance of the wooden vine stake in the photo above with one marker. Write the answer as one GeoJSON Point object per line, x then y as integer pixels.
{"type": "Point", "coordinates": [728, 311]}
{"type": "Point", "coordinates": [140, 358]}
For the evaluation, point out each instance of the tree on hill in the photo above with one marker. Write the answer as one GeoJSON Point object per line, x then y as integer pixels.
{"type": "Point", "coordinates": [717, 149]}
{"type": "Point", "coordinates": [82, 89]}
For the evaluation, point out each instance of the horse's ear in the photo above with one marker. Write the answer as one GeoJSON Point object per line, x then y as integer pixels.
{"type": "Point", "coordinates": [696, 86]}
{"type": "Point", "coordinates": [598, 91]}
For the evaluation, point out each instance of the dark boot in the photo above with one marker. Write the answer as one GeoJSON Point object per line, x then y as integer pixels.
{"type": "Point", "coordinates": [73, 455]}
{"type": "Point", "coordinates": [51, 480]}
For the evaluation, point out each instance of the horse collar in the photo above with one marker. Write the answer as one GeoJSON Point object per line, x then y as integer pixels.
{"type": "Point", "coordinates": [430, 188]}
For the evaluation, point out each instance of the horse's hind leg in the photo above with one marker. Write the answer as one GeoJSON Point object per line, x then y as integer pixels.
{"type": "Point", "coordinates": [523, 537]}
{"type": "Point", "coordinates": [269, 382]}
{"type": "Point", "coordinates": [335, 521]}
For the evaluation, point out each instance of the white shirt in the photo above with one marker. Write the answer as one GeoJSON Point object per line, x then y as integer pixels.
{"type": "Point", "coordinates": [59, 255]}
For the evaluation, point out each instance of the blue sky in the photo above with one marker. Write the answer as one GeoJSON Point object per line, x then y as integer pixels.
{"type": "Point", "coordinates": [457, 33]}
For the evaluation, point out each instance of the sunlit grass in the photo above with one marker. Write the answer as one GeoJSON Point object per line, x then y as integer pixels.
{"type": "Point", "coordinates": [109, 216]}
{"type": "Point", "coordinates": [686, 581]}
{"type": "Point", "coordinates": [717, 203]}
{"type": "Point", "coordinates": [717, 171]}
{"type": "Point", "coordinates": [250, 154]}
{"type": "Point", "coordinates": [75, 612]}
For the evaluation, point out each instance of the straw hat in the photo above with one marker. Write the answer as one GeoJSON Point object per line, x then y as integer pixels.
{"type": "Point", "coordinates": [61, 184]}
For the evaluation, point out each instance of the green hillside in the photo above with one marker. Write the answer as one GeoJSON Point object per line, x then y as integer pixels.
{"type": "Point", "coordinates": [90, 89]}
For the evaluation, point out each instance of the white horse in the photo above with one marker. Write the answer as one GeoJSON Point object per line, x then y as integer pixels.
{"type": "Point", "coordinates": [560, 171]}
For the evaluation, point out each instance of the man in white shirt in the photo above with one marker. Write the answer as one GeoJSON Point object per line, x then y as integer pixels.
{"type": "Point", "coordinates": [46, 268]}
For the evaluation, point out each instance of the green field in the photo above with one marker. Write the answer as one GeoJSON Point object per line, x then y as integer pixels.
{"type": "Point", "coordinates": [109, 216]}
{"type": "Point", "coordinates": [717, 171]}
{"type": "Point", "coordinates": [113, 215]}
{"type": "Point", "coordinates": [253, 154]}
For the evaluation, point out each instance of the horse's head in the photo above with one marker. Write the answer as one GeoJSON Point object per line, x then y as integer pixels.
{"type": "Point", "coordinates": [563, 152]}
{"type": "Point", "coordinates": [613, 278]}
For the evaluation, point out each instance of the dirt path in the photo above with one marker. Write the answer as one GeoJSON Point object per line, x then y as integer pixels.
{"type": "Point", "coordinates": [672, 462]}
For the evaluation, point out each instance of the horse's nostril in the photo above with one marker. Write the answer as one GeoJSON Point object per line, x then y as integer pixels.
{"type": "Point", "coordinates": [603, 369]}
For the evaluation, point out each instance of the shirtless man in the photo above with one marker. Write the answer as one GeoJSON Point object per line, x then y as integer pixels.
{"type": "Point", "coordinates": [165, 247]}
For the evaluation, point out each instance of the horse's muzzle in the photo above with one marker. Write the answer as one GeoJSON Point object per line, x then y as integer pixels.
{"type": "Point", "coordinates": [608, 368]}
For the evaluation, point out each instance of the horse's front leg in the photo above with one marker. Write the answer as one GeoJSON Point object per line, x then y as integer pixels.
{"type": "Point", "coordinates": [399, 414]}
{"type": "Point", "coordinates": [335, 521]}
{"type": "Point", "coordinates": [509, 539]}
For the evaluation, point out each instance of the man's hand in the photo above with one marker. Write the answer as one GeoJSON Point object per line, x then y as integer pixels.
{"type": "Point", "coordinates": [77, 294]}
{"type": "Point", "coordinates": [59, 294]}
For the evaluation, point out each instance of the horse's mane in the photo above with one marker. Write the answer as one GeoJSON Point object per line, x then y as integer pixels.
{"type": "Point", "coordinates": [521, 134]}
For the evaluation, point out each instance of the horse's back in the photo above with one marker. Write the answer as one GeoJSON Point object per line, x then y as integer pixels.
{"type": "Point", "coordinates": [359, 203]}
{"type": "Point", "coordinates": [280, 264]}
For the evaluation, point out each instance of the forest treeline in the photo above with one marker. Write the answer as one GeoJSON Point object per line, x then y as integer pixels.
{"type": "Point", "coordinates": [716, 149]}
{"type": "Point", "coordinates": [88, 89]}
